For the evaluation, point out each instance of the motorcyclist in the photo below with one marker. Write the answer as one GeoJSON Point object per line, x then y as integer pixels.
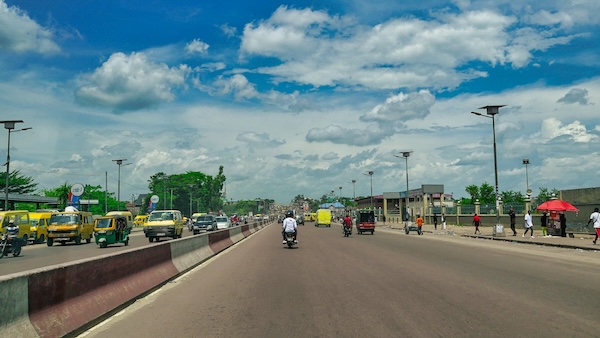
{"type": "Point", "coordinates": [348, 223]}
{"type": "Point", "coordinates": [11, 230]}
{"type": "Point", "coordinates": [289, 225]}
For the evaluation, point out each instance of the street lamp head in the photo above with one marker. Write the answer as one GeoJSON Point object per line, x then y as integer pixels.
{"type": "Point", "coordinates": [492, 110]}
{"type": "Point", "coordinates": [525, 161]}
{"type": "Point", "coordinates": [353, 181]}
{"type": "Point", "coordinates": [370, 172]}
{"type": "Point", "coordinates": [120, 161]}
{"type": "Point", "coordinates": [10, 124]}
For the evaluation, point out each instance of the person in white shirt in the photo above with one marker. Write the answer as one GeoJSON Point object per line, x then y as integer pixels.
{"type": "Point", "coordinates": [595, 217]}
{"type": "Point", "coordinates": [528, 224]}
{"type": "Point", "coordinates": [289, 225]}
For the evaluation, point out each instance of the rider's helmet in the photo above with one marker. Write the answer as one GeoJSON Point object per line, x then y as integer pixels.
{"type": "Point", "coordinates": [289, 213]}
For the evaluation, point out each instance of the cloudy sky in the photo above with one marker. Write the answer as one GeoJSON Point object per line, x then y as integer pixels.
{"type": "Point", "coordinates": [301, 97]}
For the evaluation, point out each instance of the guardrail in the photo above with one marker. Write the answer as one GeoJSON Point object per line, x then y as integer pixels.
{"type": "Point", "coordinates": [66, 299]}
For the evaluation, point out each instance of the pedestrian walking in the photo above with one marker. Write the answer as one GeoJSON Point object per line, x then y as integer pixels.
{"type": "Point", "coordinates": [476, 223]}
{"type": "Point", "coordinates": [420, 224]}
{"type": "Point", "coordinates": [528, 223]}
{"type": "Point", "coordinates": [513, 218]}
{"type": "Point", "coordinates": [443, 221]}
{"type": "Point", "coordinates": [595, 217]}
{"type": "Point", "coordinates": [435, 221]}
{"type": "Point", "coordinates": [544, 221]}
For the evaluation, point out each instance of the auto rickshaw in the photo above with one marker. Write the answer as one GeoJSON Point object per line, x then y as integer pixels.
{"type": "Point", "coordinates": [110, 230]}
{"type": "Point", "coordinates": [365, 221]}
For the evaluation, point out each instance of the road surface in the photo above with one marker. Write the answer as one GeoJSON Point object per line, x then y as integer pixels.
{"type": "Point", "coordinates": [386, 285]}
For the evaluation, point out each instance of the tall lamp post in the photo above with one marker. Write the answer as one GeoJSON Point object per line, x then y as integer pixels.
{"type": "Point", "coordinates": [491, 112]}
{"type": "Point", "coordinates": [10, 126]}
{"type": "Point", "coordinates": [370, 173]}
{"type": "Point", "coordinates": [340, 199]}
{"type": "Point", "coordinates": [526, 162]}
{"type": "Point", "coordinates": [119, 163]}
{"type": "Point", "coordinates": [353, 189]}
{"type": "Point", "coordinates": [406, 154]}
{"type": "Point", "coordinates": [191, 187]}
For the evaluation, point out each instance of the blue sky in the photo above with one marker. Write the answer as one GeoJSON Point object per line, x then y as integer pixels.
{"type": "Point", "coordinates": [302, 97]}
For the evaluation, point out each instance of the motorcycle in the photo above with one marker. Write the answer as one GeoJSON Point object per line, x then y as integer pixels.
{"type": "Point", "coordinates": [290, 241]}
{"type": "Point", "coordinates": [347, 231]}
{"type": "Point", "coordinates": [10, 242]}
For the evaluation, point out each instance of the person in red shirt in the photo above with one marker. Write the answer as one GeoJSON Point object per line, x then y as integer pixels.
{"type": "Point", "coordinates": [476, 223]}
{"type": "Point", "coordinates": [420, 224]}
{"type": "Point", "coordinates": [348, 223]}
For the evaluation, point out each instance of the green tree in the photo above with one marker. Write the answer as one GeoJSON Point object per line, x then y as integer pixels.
{"type": "Point", "coordinates": [62, 192]}
{"type": "Point", "coordinates": [545, 194]}
{"type": "Point", "coordinates": [17, 184]}
{"type": "Point", "coordinates": [473, 191]}
{"type": "Point", "coordinates": [487, 194]}
{"type": "Point", "coordinates": [512, 197]}
{"type": "Point", "coordinates": [206, 191]}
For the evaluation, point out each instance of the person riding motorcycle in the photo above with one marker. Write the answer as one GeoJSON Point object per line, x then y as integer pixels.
{"type": "Point", "coordinates": [12, 231]}
{"type": "Point", "coordinates": [348, 223]}
{"type": "Point", "coordinates": [289, 225]}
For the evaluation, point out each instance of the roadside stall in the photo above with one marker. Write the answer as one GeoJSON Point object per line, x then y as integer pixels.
{"type": "Point", "coordinates": [554, 208]}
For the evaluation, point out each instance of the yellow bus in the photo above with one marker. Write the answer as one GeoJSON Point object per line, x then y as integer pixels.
{"type": "Point", "coordinates": [323, 217]}
{"type": "Point", "coordinates": [19, 218]}
{"type": "Point", "coordinates": [70, 226]}
{"type": "Point", "coordinates": [39, 222]}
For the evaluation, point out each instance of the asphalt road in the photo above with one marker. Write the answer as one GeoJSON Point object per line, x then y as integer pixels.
{"type": "Point", "coordinates": [35, 256]}
{"type": "Point", "coordinates": [386, 285]}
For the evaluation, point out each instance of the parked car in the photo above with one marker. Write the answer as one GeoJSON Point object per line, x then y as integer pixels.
{"type": "Point", "coordinates": [300, 219]}
{"type": "Point", "coordinates": [205, 223]}
{"type": "Point", "coordinates": [223, 222]}
{"type": "Point", "coordinates": [280, 219]}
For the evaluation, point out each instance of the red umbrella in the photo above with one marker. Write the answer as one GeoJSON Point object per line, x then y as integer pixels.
{"type": "Point", "coordinates": [556, 205]}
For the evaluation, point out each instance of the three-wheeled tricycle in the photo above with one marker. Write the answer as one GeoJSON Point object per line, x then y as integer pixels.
{"type": "Point", "coordinates": [411, 226]}
{"type": "Point", "coordinates": [365, 221]}
{"type": "Point", "coordinates": [111, 230]}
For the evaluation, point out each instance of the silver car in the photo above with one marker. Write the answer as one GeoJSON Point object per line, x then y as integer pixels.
{"type": "Point", "coordinates": [223, 222]}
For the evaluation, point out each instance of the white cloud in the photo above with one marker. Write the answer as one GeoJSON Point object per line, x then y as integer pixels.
{"type": "Point", "coordinates": [238, 85]}
{"type": "Point", "coordinates": [19, 33]}
{"type": "Point", "coordinates": [401, 107]}
{"type": "Point", "coordinates": [196, 46]}
{"type": "Point", "coordinates": [243, 89]}
{"type": "Point", "coordinates": [322, 50]}
{"type": "Point", "coordinates": [258, 139]}
{"type": "Point", "coordinates": [575, 95]}
{"type": "Point", "coordinates": [575, 131]}
{"type": "Point", "coordinates": [229, 31]}
{"type": "Point", "coordinates": [130, 82]}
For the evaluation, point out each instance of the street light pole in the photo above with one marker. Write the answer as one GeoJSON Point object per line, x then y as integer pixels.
{"type": "Point", "coordinates": [370, 173]}
{"type": "Point", "coordinates": [493, 111]}
{"type": "Point", "coordinates": [191, 186]}
{"type": "Point", "coordinates": [353, 190]}
{"type": "Point", "coordinates": [406, 154]}
{"type": "Point", "coordinates": [9, 125]}
{"type": "Point", "coordinates": [119, 163]}
{"type": "Point", "coordinates": [526, 162]}
{"type": "Point", "coordinates": [340, 199]}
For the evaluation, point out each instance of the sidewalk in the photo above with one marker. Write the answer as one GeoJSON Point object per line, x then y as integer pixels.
{"type": "Point", "coordinates": [581, 241]}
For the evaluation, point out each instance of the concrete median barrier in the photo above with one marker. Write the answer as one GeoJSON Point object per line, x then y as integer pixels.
{"type": "Point", "coordinates": [219, 240]}
{"type": "Point", "coordinates": [68, 298]}
{"type": "Point", "coordinates": [188, 252]}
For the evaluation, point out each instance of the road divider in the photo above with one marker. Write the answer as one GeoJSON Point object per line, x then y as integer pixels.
{"type": "Point", "coordinates": [69, 298]}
